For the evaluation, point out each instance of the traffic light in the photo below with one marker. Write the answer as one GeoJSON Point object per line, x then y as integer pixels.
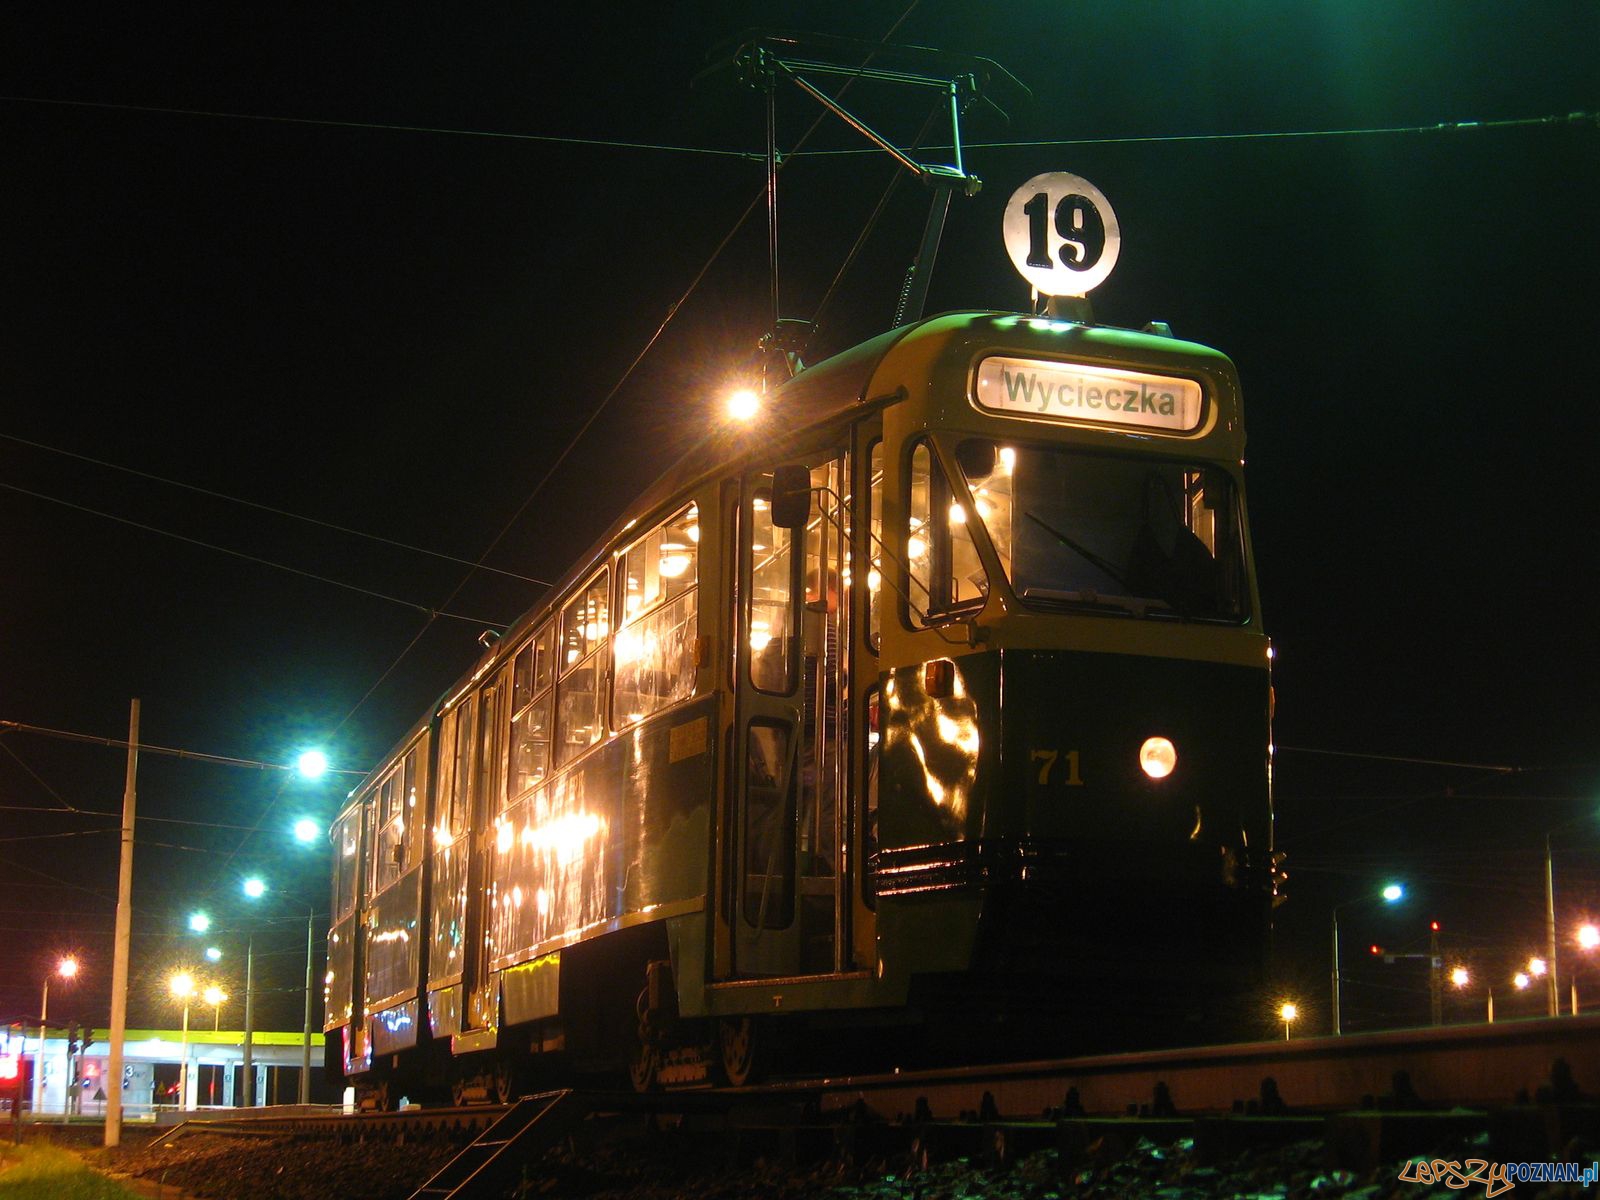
{"type": "Point", "coordinates": [1375, 950]}
{"type": "Point", "coordinates": [88, 1040]}
{"type": "Point", "coordinates": [72, 1039]}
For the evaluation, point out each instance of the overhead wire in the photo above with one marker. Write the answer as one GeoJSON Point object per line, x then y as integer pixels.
{"type": "Point", "coordinates": [267, 508]}
{"type": "Point", "coordinates": [349, 587]}
{"type": "Point", "coordinates": [1582, 117]}
{"type": "Point", "coordinates": [616, 387]}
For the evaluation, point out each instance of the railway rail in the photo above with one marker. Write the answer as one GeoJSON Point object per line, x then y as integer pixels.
{"type": "Point", "coordinates": [1373, 1097]}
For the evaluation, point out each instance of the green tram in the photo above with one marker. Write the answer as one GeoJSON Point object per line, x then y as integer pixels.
{"type": "Point", "coordinates": [940, 702]}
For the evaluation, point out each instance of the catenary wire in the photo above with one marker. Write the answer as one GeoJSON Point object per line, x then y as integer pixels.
{"type": "Point", "coordinates": [349, 587]}
{"type": "Point", "coordinates": [267, 508]}
{"type": "Point", "coordinates": [1571, 118]}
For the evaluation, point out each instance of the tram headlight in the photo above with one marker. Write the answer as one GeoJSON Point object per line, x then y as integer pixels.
{"type": "Point", "coordinates": [1158, 757]}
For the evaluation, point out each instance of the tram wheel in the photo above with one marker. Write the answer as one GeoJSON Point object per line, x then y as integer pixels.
{"type": "Point", "coordinates": [507, 1081]}
{"type": "Point", "coordinates": [739, 1043]}
{"type": "Point", "coordinates": [644, 1068]}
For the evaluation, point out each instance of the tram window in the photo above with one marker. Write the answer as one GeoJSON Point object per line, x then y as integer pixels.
{"type": "Point", "coordinates": [869, 807]}
{"type": "Point", "coordinates": [654, 646]}
{"type": "Point", "coordinates": [771, 600]}
{"type": "Point", "coordinates": [347, 845]}
{"type": "Point", "coordinates": [944, 570]}
{"type": "Point", "coordinates": [455, 759]}
{"type": "Point", "coordinates": [388, 844]}
{"type": "Point", "coordinates": [585, 627]}
{"type": "Point", "coordinates": [769, 830]}
{"type": "Point", "coordinates": [411, 812]}
{"type": "Point", "coordinates": [1104, 533]}
{"type": "Point", "coordinates": [491, 777]}
{"type": "Point", "coordinates": [530, 715]}
{"type": "Point", "coordinates": [874, 541]}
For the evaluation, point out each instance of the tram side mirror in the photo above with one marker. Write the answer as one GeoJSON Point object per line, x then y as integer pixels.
{"type": "Point", "coordinates": [976, 458]}
{"type": "Point", "coordinates": [791, 497]}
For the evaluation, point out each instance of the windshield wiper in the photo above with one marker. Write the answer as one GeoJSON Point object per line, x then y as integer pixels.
{"type": "Point", "coordinates": [1087, 598]}
{"type": "Point", "coordinates": [1089, 555]}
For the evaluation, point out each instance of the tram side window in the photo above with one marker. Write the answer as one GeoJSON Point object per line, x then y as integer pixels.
{"type": "Point", "coordinates": [771, 600]}
{"type": "Point", "coordinates": [455, 763]}
{"type": "Point", "coordinates": [347, 845]}
{"type": "Point", "coordinates": [944, 570]}
{"type": "Point", "coordinates": [654, 647]}
{"type": "Point", "coordinates": [531, 673]}
{"type": "Point", "coordinates": [389, 858]}
{"type": "Point", "coordinates": [411, 802]}
{"type": "Point", "coordinates": [585, 627]}
{"type": "Point", "coordinates": [875, 542]}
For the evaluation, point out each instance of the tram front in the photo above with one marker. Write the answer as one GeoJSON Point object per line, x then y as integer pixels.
{"type": "Point", "coordinates": [1072, 780]}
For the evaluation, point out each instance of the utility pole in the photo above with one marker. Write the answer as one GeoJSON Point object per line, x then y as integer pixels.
{"type": "Point", "coordinates": [1435, 976]}
{"type": "Point", "coordinates": [249, 1021]}
{"type": "Point", "coordinates": [305, 1045]}
{"type": "Point", "coordinates": [124, 938]}
{"type": "Point", "coordinates": [1552, 992]}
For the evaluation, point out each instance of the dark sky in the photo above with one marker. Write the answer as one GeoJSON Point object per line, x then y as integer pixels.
{"type": "Point", "coordinates": [401, 332]}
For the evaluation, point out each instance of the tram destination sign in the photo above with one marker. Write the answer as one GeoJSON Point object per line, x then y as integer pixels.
{"type": "Point", "coordinates": [1039, 388]}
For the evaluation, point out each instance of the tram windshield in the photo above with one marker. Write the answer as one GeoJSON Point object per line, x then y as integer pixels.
{"type": "Point", "coordinates": [1080, 531]}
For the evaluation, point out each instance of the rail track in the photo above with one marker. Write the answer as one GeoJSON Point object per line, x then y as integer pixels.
{"type": "Point", "coordinates": [1373, 1097]}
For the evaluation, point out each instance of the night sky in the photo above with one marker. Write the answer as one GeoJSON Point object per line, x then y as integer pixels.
{"type": "Point", "coordinates": [400, 332]}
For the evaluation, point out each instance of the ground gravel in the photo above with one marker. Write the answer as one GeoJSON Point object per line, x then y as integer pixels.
{"type": "Point", "coordinates": [630, 1164]}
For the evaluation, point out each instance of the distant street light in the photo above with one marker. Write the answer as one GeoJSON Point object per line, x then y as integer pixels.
{"type": "Point", "coordinates": [743, 404]}
{"type": "Point", "coordinates": [216, 997]}
{"type": "Point", "coordinates": [1588, 937]}
{"type": "Point", "coordinates": [1392, 893]}
{"type": "Point", "coordinates": [213, 954]}
{"type": "Point", "coordinates": [1288, 1012]}
{"type": "Point", "coordinates": [182, 987]}
{"type": "Point", "coordinates": [199, 922]}
{"type": "Point", "coordinates": [306, 830]}
{"type": "Point", "coordinates": [66, 970]}
{"type": "Point", "coordinates": [255, 888]}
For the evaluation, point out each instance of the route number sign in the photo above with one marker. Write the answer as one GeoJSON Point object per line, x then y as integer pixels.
{"type": "Point", "coordinates": [1061, 234]}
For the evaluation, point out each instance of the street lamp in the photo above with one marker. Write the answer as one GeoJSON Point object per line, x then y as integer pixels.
{"type": "Point", "coordinates": [255, 888]}
{"type": "Point", "coordinates": [216, 997]}
{"type": "Point", "coordinates": [312, 764]}
{"type": "Point", "coordinates": [1587, 937]}
{"type": "Point", "coordinates": [182, 987]}
{"type": "Point", "coordinates": [1288, 1011]}
{"type": "Point", "coordinates": [66, 970]}
{"type": "Point", "coordinates": [1392, 893]}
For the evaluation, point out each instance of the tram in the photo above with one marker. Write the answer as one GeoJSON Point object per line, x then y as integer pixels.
{"type": "Point", "coordinates": [941, 701]}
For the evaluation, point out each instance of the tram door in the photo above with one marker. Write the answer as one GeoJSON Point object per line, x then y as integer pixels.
{"type": "Point", "coordinates": [787, 904]}
{"type": "Point", "coordinates": [480, 1009]}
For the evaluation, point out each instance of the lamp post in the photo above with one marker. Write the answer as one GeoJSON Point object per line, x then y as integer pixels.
{"type": "Point", "coordinates": [1391, 894]}
{"type": "Point", "coordinates": [67, 970]}
{"type": "Point", "coordinates": [182, 987]}
{"type": "Point", "coordinates": [255, 888]}
{"type": "Point", "coordinates": [1288, 1011]}
{"type": "Point", "coordinates": [1588, 937]}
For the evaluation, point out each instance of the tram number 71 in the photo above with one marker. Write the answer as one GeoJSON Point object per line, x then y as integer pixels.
{"type": "Point", "coordinates": [1047, 760]}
